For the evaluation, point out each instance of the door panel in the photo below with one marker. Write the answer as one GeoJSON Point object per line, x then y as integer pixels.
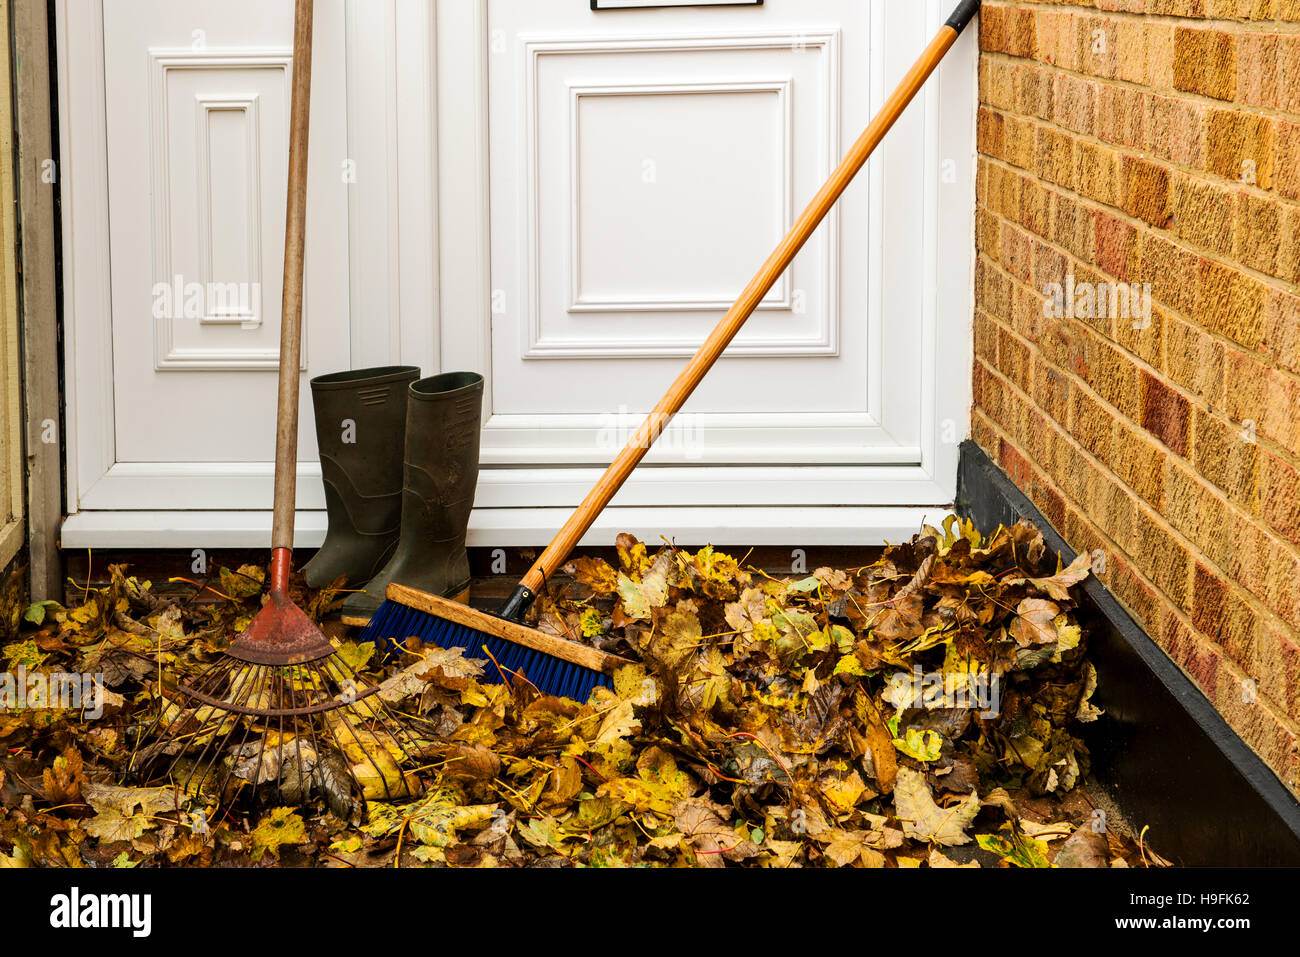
{"type": "Point", "coordinates": [643, 164]}
{"type": "Point", "coordinates": [197, 117]}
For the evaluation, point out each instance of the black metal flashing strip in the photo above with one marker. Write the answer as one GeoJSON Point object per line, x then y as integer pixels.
{"type": "Point", "coordinates": [1161, 751]}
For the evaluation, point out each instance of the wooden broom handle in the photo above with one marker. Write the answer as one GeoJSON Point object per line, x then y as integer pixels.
{"type": "Point", "coordinates": [295, 222]}
{"type": "Point", "coordinates": [563, 543]}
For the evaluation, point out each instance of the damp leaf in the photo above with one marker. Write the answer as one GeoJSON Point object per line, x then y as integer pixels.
{"type": "Point", "coordinates": [282, 826]}
{"type": "Point", "coordinates": [926, 821]}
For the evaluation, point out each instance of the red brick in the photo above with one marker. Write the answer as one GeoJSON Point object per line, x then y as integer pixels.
{"type": "Point", "coordinates": [1239, 146]}
{"type": "Point", "coordinates": [1195, 655]}
{"type": "Point", "coordinates": [1223, 615]}
{"type": "Point", "coordinates": [1055, 157]}
{"type": "Point", "coordinates": [1288, 158]}
{"type": "Point", "coordinates": [1074, 104]}
{"type": "Point", "coordinates": [1166, 413]}
{"type": "Point", "coordinates": [1268, 235]}
{"type": "Point", "coordinates": [1017, 252]}
{"type": "Point", "coordinates": [1117, 246]}
{"type": "Point", "coordinates": [1163, 558]}
{"type": "Point", "coordinates": [1172, 271]}
{"type": "Point", "coordinates": [1231, 303]}
{"type": "Point", "coordinates": [1121, 115]}
{"type": "Point", "coordinates": [1195, 360]}
{"type": "Point", "coordinates": [1204, 213]}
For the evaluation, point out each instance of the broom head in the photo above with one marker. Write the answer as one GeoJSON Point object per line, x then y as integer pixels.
{"type": "Point", "coordinates": [551, 664]}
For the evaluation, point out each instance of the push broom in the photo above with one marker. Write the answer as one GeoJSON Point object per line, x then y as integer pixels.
{"type": "Point", "coordinates": [562, 667]}
{"type": "Point", "coordinates": [281, 706]}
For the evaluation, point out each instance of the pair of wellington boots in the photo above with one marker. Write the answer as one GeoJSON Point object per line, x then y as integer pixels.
{"type": "Point", "coordinates": [399, 459]}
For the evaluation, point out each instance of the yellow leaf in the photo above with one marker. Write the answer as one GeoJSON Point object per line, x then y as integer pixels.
{"type": "Point", "coordinates": [590, 623]}
{"type": "Point", "coordinates": [111, 825]}
{"type": "Point", "coordinates": [639, 598]}
{"type": "Point", "coordinates": [354, 655]}
{"type": "Point", "coordinates": [619, 722]}
{"type": "Point", "coordinates": [596, 573]}
{"type": "Point", "coordinates": [282, 826]}
{"type": "Point", "coordinates": [921, 745]}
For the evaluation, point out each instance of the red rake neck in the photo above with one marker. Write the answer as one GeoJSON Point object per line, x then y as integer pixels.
{"type": "Point", "coordinates": [281, 562]}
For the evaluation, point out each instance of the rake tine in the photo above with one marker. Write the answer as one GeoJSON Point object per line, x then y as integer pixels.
{"type": "Point", "coordinates": [186, 712]}
{"type": "Point", "coordinates": [378, 726]}
{"type": "Point", "coordinates": [347, 765]}
{"type": "Point", "coordinates": [208, 677]}
{"type": "Point", "coordinates": [378, 711]}
{"type": "Point", "coordinates": [343, 720]}
{"type": "Point", "coordinates": [292, 691]}
{"type": "Point", "coordinates": [254, 683]}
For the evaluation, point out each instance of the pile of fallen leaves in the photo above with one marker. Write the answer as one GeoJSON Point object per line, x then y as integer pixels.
{"type": "Point", "coordinates": [921, 710]}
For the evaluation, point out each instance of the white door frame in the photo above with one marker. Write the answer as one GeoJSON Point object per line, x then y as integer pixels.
{"type": "Point", "coordinates": [436, 148]}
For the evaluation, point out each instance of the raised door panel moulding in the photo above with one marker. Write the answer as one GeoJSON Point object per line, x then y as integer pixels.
{"type": "Point", "coordinates": [222, 314]}
{"type": "Point", "coordinates": [815, 335]}
{"type": "Point", "coordinates": [215, 128]}
{"type": "Point", "coordinates": [779, 216]}
{"type": "Point", "coordinates": [725, 438]}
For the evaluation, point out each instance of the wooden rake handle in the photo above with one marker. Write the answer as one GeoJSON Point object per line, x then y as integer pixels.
{"type": "Point", "coordinates": [295, 227]}
{"type": "Point", "coordinates": [619, 470]}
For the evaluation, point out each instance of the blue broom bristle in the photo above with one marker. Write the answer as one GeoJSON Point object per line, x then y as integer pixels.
{"type": "Point", "coordinates": [395, 622]}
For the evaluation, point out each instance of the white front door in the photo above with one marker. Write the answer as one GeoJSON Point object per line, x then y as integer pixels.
{"type": "Point", "coordinates": [174, 383]}
{"type": "Point", "coordinates": [563, 199]}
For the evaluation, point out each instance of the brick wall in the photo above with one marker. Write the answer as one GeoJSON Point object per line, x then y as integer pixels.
{"type": "Point", "coordinates": [1154, 142]}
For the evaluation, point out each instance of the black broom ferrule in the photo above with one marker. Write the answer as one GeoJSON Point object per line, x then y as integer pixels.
{"type": "Point", "coordinates": [964, 14]}
{"type": "Point", "coordinates": [517, 604]}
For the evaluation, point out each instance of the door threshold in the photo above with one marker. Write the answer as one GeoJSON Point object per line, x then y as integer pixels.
{"type": "Point", "coordinates": [523, 527]}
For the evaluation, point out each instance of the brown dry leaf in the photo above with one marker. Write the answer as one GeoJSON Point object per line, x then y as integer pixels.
{"type": "Point", "coordinates": [923, 819]}
{"type": "Point", "coordinates": [899, 620]}
{"type": "Point", "coordinates": [450, 662]}
{"type": "Point", "coordinates": [678, 640]}
{"type": "Point", "coordinates": [1058, 586]}
{"type": "Point", "coordinates": [938, 859]}
{"type": "Point", "coordinates": [1034, 622]}
{"type": "Point", "coordinates": [151, 801]}
{"type": "Point", "coordinates": [849, 848]}
{"type": "Point", "coordinates": [63, 778]}
{"type": "Point", "coordinates": [1084, 848]}
{"type": "Point", "coordinates": [880, 743]}
{"type": "Point", "coordinates": [701, 823]}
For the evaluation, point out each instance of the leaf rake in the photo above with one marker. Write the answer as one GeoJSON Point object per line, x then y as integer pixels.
{"type": "Point", "coordinates": [281, 706]}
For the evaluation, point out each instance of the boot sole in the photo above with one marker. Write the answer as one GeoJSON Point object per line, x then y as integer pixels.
{"type": "Point", "coordinates": [358, 621]}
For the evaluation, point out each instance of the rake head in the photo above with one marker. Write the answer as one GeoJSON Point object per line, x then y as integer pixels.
{"type": "Point", "coordinates": [280, 712]}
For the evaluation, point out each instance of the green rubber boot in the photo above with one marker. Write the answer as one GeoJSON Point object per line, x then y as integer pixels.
{"type": "Point", "coordinates": [360, 416]}
{"type": "Point", "coordinates": [443, 416]}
